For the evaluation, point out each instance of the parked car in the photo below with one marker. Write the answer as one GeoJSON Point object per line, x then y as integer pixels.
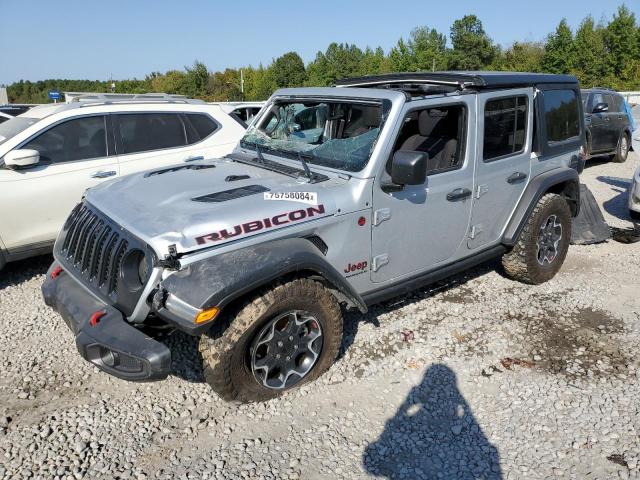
{"type": "Point", "coordinates": [242, 111]}
{"type": "Point", "coordinates": [52, 154]}
{"type": "Point", "coordinates": [634, 197]}
{"type": "Point", "coordinates": [15, 109]}
{"type": "Point", "coordinates": [608, 125]}
{"type": "Point", "coordinates": [335, 197]}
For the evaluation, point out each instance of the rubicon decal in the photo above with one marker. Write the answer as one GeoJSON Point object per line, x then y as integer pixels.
{"type": "Point", "coordinates": [257, 225]}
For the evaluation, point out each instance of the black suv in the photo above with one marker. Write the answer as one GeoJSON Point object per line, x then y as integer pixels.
{"type": "Point", "coordinates": [607, 122]}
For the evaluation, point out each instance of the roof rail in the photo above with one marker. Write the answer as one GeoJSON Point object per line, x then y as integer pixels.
{"type": "Point", "coordinates": [88, 99]}
{"type": "Point", "coordinates": [604, 88]}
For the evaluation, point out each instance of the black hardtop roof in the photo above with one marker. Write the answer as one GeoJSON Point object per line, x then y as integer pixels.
{"type": "Point", "coordinates": [460, 79]}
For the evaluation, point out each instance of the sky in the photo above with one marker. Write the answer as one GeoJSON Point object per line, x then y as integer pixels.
{"type": "Point", "coordinates": [84, 39]}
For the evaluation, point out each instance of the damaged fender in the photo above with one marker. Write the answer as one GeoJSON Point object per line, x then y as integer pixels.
{"type": "Point", "coordinates": [218, 280]}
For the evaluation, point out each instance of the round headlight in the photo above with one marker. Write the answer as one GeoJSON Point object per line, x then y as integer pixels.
{"type": "Point", "coordinates": [143, 270]}
{"type": "Point", "coordinates": [135, 269]}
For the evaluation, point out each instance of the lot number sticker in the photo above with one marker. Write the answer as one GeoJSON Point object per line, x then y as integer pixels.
{"type": "Point", "coordinates": [310, 198]}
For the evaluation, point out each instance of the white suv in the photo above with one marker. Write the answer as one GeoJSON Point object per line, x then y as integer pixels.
{"type": "Point", "coordinates": [51, 154]}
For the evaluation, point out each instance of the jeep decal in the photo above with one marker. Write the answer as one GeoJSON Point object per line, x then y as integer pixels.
{"type": "Point", "coordinates": [256, 225]}
{"type": "Point", "coordinates": [355, 268]}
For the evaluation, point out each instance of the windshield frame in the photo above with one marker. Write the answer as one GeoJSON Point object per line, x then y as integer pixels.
{"type": "Point", "coordinates": [27, 122]}
{"type": "Point", "coordinates": [385, 105]}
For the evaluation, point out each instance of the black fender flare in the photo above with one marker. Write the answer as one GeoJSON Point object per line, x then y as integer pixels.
{"type": "Point", "coordinates": [537, 187]}
{"type": "Point", "coordinates": [220, 279]}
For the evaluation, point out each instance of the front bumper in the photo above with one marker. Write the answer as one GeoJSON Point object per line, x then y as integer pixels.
{"type": "Point", "coordinates": [111, 343]}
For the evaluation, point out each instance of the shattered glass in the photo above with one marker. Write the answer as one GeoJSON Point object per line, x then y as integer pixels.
{"type": "Point", "coordinates": [339, 135]}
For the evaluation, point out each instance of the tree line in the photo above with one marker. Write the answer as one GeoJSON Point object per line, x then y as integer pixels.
{"type": "Point", "coordinates": [605, 54]}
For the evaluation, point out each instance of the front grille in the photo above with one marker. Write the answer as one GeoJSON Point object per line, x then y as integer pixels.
{"type": "Point", "coordinates": [93, 247]}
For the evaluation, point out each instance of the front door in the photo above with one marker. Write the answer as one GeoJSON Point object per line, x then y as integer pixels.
{"type": "Point", "coordinates": [422, 226]}
{"type": "Point", "coordinates": [503, 162]}
{"type": "Point", "coordinates": [35, 202]}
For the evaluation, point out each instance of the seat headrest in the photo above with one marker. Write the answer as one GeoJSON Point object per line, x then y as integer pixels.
{"type": "Point", "coordinates": [433, 122]}
{"type": "Point", "coordinates": [371, 117]}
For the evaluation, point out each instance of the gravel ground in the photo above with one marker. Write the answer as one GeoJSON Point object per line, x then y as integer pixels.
{"type": "Point", "coordinates": [476, 377]}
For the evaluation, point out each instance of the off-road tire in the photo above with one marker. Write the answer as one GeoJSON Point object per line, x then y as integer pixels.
{"type": "Point", "coordinates": [225, 352]}
{"type": "Point", "coordinates": [521, 263]}
{"type": "Point", "coordinates": [622, 149]}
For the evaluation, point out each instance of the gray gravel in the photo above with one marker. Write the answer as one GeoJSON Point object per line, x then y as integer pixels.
{"type": "Point", "coordinates": [490, 379]}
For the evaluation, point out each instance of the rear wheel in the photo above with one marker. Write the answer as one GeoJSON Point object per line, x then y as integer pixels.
{"type": "Point", "coordinates": [543, 243]}
{"type": "Point", "coordinates": [622, 150]}
{"type": "Point", "coordinates": [280, 339]}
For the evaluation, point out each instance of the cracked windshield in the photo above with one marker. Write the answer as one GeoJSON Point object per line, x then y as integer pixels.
{"type": "Point", "coordinates": [339, 135]}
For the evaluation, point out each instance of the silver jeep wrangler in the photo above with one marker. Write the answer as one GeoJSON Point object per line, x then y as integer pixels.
{"type": "Point", "coordinates": [335, 198]}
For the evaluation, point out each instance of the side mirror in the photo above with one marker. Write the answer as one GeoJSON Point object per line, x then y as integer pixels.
{"type": "Point", "coordinates": [601, 107]}
{"type": "Point", "coordinates": [22, 158]}
{"type": "Point", "coordinates": [409, 167]}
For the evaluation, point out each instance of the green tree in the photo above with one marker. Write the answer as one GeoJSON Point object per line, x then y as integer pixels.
{"type": "Point", "coordinates": [559, 52]}
{"type": "Point", "coordinates": [521, 57]}
{"type": "Point", "coordinates": [472, 47]}
{"type": "Point", "coordinates": [289, 71]}
{"type": "Point", "coordinates": [622, 41]}
{"type": "Point", "coordinates": [590, 60]}
{"type": "Point", "coordinates": [340, 60]}
{"type": "Point", "coordinates": [196, 81]}
{"type": "Point", "coordinates": [425, 50]}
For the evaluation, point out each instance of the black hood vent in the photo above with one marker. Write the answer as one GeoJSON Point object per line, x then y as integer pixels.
{"type": "Point", "coordinates": [177, 169]}
{"type": "Point", "coordinates": [232, 194]}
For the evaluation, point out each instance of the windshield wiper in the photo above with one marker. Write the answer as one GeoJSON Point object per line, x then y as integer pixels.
{"type": "Point", "coordinates": [307, 171]}
{"type": "Point", "coordinates": [259, 152]}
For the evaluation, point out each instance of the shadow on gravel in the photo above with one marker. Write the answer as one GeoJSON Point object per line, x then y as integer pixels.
{"type": "Point", "coordinates": [434, 434]}
{"type": "Point", "coordinates": [617, 206]}
{"type": "Point", "coordinates": [462, 296]}
{"type": "Point", "coordinates": [185, 357]}
{"type": "Point", "coordinates": [597, 161]}
{"type": "Point", "coordinates": [23, 270]}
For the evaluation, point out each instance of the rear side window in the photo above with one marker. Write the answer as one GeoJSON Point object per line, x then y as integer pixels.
{"type": "Point", "coordinates": [142, 132]}
{"type": "Point", "coordinates": [77, 139]}
{"type": "Point", "coordinates": [199, 127]}
{"type": "Point", "coordinates": [561, 115]}
{"type": "Point", "coordinates": [505, 127]}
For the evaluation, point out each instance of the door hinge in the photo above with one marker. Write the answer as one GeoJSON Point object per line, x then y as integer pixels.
{"type": "Point", "coordinates": [481, 190]}
{"type": "Point", "coordinates": [379, 261]}
{"type": "Point", "coordinates": [475, 231]}
{"type": "Point", "coordinates": [381, 215]}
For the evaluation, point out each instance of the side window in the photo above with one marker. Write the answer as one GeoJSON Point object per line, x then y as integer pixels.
{"type": "Point", "coordinates": [611, 100]}
{"type": "Point", "coordinates": [199, 126]}
{"type": "Point", "coordinates": [142, 132]}
{"type": "Point", "coordinates": [505, 127]}
{"type": "Point", "coordinates": [439, 132]}
{"type": "Point", "coordinates": [597, 98]}
{"type": "Point", "coordinates": [77, 139]}
{"type": "Point", "coordinates": [561, 114]}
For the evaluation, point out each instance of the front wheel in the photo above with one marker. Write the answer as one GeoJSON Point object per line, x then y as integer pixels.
{"type": "Point", "coordinates": [622, 150]}
{"type": "Point", "coordinates": [280, 339]}
{"type": "Point", "coordinates": [543, 243]}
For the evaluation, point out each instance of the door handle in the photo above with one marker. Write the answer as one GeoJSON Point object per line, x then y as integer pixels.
{"type": "Point", "coordinates": [607, 119]}
{"type": "Point", "coordinates": [516, 177]}
{"type": "Point", "coordinates": [103, 174]}
{"type": "Point", "coordinates": [458, 194]}
{"type": "Point", "coordinates": [194, 159]}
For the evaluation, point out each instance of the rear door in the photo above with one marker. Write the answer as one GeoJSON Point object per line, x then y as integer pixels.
{"type": "Point", "coordinates": [75, 155]}
{"type": "Point", "coordinates": [503, 168]}
{"type": "Point", "coordinates": [600, 136]}
{"type": "Point", "coordinates": [152, 140]}
{"type": "Point", "coordinates": [613, 121]}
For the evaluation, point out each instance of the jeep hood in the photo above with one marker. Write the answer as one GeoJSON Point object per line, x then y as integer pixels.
{"type": "Point", "coordinates": [209, 203]}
